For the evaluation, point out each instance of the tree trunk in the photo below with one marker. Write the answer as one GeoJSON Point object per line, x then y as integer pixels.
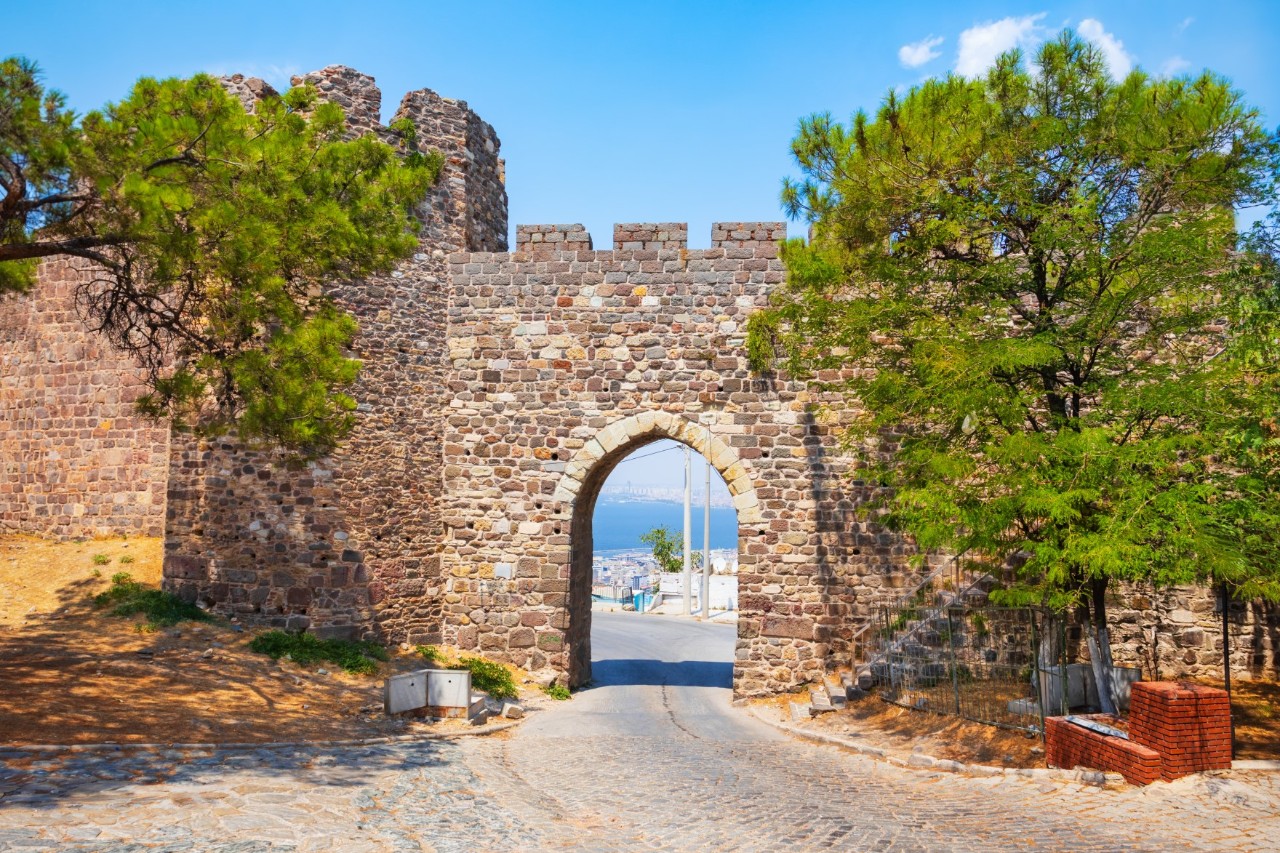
{"type": "Point", "coordinates": [1100, 644]}
{"type": "Point", "coordinates": [1049, 654]}
{"type": "Point", "coordinates": [1225, 592]}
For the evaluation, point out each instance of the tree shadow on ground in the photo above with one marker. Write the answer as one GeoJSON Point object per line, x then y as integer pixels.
{"type": "Point", "coordinates": [42, 779]}
{"type": "Point", "coordinates": [639, 671]}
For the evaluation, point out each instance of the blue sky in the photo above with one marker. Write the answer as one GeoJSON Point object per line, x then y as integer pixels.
{"type": "Point", "coordinates": [607, 112]}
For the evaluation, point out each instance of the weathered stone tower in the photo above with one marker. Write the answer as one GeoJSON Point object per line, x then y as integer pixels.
{"type": "Point", "coordinates": [350, 545]}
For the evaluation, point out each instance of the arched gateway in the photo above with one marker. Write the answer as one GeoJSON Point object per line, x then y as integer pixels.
{"type": "Point", "coordinates": [564, 359]}
{"type": "Point", "coordinates": [497, 389]}
{"type": "Point", "coordinates": [580, 485]}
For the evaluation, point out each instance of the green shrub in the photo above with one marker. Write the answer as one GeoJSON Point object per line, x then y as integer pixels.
{"type": "Point", "coordinates": [356, 656]}
{"type": "Point", "coordinates": [432, 654]}
{"type": "Point", "coordinates": [126, 559]}
{"type": "Point", "coordinates": [491, 677]}
{"type": "Point", "coordinates": [127, 597]}
{"type": "Point", "coordinates": [557, 691]}
{"type": "Point", "coordinates": [101, 559]}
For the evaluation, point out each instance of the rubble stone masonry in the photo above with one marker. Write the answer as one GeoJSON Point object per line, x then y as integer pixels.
{"type": "Point", "coordinates": [498, 390]}
{"type": "Point", "coordinates": [349, 545]}
{"type": "Point", "coordinates": [562, 361]}
{"type": "Point", "coordinates": [75, 457]}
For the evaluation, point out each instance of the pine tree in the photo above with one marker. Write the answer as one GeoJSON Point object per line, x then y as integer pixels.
{"type": "Point", "coordinates": [211, 232]}
{"type": "Point", "coordinates": [1033, 286]}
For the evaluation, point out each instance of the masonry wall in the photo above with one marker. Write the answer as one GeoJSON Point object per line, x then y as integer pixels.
{"type": "Point", "coordinates": [552, 345]}
{"type": "Point", "coordinates": [349, 545]}
{"type": "Point", "coordinates": [75, 458]}
{"type": "Point", "coordinates": [1177, 633]}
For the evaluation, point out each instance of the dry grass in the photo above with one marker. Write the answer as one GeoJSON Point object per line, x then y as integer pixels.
{"type": "Point", "coordinates": [938, 735]}
{"type": "Point", "coordinates": [73, 674]}
{"type": "Point", "coordinates": [1255, 707]}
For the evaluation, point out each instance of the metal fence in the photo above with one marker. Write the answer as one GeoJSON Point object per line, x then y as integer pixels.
{"type": "Point", "coordinates": [1002, 666]}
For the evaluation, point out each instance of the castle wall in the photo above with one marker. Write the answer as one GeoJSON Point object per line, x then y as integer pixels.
{"type": "Point", "coordinates": [551, 348]}
{"type": "Point", "coordinates": [75, 458]}
{"type": "Point", "coordinates": [349, 545]}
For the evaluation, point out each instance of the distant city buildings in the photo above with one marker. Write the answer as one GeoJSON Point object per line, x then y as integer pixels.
{"type": "Point", "coordinates": [637, 569]}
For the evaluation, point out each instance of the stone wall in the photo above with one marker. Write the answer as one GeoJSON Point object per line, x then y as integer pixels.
{"type": "Point", "coordinates": [1177, 633]}
{"type": "Point", "coordinates": [349, 545]}
{"type": "Point", "coordinates": [75, 458]}
{"type": "Point", "coordinates": [498, 391]}
{"type": "Point", "coordinates": [562, 361]}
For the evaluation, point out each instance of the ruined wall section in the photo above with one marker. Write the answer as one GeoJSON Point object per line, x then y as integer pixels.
{"type": "Point", "coordinates": [75, 457]}
{"type": "Point", "coordinates": [349, 545]}
{"type": "Point", "coordinates": [555, 344]}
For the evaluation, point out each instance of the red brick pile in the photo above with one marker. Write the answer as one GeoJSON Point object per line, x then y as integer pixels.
{"type": "Point", "coordinates": [1188, 724]}
{"type": "Point", "coordinates": [1175, 729]}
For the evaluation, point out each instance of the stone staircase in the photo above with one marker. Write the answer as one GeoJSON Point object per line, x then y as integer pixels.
{"type": "Point", "coordinates": [917, 619]}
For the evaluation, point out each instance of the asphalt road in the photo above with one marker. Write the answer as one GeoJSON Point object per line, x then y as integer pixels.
{"type": "Point", "coordinates": [655, 676]}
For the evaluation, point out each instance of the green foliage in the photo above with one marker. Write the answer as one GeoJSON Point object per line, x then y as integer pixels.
{"type": "Point", "coordinates": [100, 559]}
{"type": "Point", "coordinates": [214, 230]}
{"type": "Point", "coordinates": [127, 597]}
{"type": "Point", "coordinates": [1033, 284]}
{"type": "Point", "coordinates": [668, 550]}
{"type": "Point", "coordinates": [558, 692]}
{"type": "Point", "coordinates": [355, 656]}
{"type": "Point", "coordinates": [491, 677]}
{"type": "Point", "coordinates": [431, 654]}
{"type": "Point", "coordinates": [125, 560]}
{"type": "Point", "coordinates": [37, 142]}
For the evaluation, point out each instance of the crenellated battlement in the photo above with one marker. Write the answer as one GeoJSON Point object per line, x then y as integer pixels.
{"type": "Point", "coordinates": [630, 237]}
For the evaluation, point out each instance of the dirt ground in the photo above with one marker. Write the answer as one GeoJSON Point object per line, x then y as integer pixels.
{"type": "Point", "coordinates": [72, 674]}
{"type": "Point", "coordinates": [75, 675]}
{"type": "Point", "coordinates": [883, 724]}
{"type": "Point", "coordinates": [1255, 708]}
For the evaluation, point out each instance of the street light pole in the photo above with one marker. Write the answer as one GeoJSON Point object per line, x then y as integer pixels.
{"type": "Point", "coordinates": [706, 535]}
{"type": "Point", "coordinates": [688, 545]}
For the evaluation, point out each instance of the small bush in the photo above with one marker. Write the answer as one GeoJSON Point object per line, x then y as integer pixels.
{"type": "Point", "coordinates": [558, 692]}
{"type": "Point", "coordinates": [432, 654]}
{"type": "Point", "coordinates": [126, 560]}
{"type": "Point", "coordinates": [101, 559]}
{"type": "Point", "coordinates": [491, 677]}
{"type": "Point", "coordinates": [355, 656]}
{"type": "Point", "coordinates": [127, 597]}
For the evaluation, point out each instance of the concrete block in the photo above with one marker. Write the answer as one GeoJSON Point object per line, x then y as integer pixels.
{"type": "Point", "coordinates": [406, 692]}
{"type": "Point", "coordinates": [448, 688]}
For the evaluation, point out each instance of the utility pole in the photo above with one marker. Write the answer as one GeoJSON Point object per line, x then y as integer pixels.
{"type": "Point", "coordinates": [688, 545]}
{"type": "Point", "coordinates": [706, 536]}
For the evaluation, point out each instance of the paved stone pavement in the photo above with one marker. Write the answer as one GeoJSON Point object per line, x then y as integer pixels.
{"type": "Point", "coordinates": [650, 759]}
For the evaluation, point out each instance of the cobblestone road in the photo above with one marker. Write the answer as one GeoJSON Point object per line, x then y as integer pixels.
{"type": "Point", "coordinates": [652, 759]}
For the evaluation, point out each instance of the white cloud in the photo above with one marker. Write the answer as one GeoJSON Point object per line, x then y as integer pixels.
{"type": "Point", "coordinates": [1173, 66]}
{"type": "Point", "coordinates": [1186, 22]}
{"type": "Point", "coordinates": [981, 44]}
{"type": "Point", "coordinates": [1118, 59]}
{"type": "Point", "coordinates": [915, 55]}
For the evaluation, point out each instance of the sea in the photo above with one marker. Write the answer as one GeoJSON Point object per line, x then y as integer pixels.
{"type": "Point", "coordinates": [618, 525]}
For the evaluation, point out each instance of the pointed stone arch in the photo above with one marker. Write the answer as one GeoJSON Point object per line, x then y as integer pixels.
{"type": "Point", "coordinates": [581, 481]}
{"type": "Point", "coordinates": [619, 438]}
